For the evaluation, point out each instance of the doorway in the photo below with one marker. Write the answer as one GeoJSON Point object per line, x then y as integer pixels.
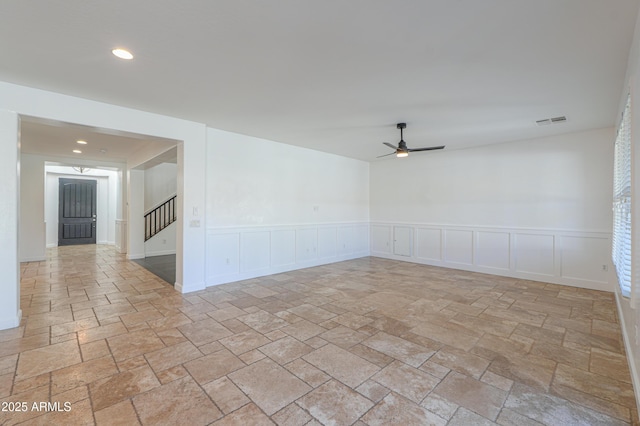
{"type": "Point", "coordinates": [77, 211]}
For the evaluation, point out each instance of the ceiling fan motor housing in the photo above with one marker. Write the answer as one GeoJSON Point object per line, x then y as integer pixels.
{"type": "Point", "coordinates": [402, 150]}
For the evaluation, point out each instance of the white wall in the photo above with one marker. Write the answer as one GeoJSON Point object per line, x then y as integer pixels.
{"type": "Point", "coordinates": [273, 207]}
{"type": "Point", "coordinates": [10, 313]}
{"type": "Point", "coordinates": [560, 182]}
{"type": "Point", "coordinates": [252, 181]}
{"type": "Point", "coordinates": [160, 183]}
{"type": "Point", "coordinates": [537, 209]}
{"type": "Point", "coordinates": [163, 243]}
{"type": "Point", "coordinates": [32, 216]}
{"type": "Point", "coordinates": [135, 223]}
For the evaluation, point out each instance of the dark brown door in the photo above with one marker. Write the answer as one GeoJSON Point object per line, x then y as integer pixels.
{"type": "Point", "coordinates": [77, 212]}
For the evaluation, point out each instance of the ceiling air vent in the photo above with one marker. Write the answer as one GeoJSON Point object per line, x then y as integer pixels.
{"type": "Point", "coordinates": [554, 120]}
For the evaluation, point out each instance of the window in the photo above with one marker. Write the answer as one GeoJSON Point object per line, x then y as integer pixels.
{"type": "Point", "coordinates": [621, 247]}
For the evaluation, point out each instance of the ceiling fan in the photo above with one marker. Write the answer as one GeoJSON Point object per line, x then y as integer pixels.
{"type": "Point", "coordinates": [401, 150]}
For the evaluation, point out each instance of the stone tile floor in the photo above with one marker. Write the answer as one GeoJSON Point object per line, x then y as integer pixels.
{"type": "Point", "coordinates": [367, 342]}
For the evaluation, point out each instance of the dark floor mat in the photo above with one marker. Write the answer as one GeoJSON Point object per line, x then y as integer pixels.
{"type": "Point", "coordinates": [162, 266]}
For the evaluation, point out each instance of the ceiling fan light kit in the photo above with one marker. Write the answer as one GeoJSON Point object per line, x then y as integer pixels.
{"type": "Point", "coordinates": [402, 150]}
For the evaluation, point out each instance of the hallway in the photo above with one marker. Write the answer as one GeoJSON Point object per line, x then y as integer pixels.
{"type": "Point", "coordinates": [362, 341]}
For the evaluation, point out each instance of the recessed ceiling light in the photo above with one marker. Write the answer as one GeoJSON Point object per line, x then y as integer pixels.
{"type": "Point", "coordinates": [122, 53]}
{"type": "Point", "coordinates": [81, 142]}
{"type": "Point", "coordinates": [77, 151]}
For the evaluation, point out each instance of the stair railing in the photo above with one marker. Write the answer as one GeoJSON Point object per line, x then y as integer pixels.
{"type": "Point", "coordinates": [159, 218]}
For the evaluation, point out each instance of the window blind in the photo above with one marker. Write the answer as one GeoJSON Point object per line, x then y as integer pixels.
{"type": "Point", "coordinates": [621, 247]}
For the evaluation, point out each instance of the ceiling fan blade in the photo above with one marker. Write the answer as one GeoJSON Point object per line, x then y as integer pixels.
{"type": "Point", "coordinates": [386, 155]}
{"type": "Point", "coordinates": [431, 148]}
{"type": "Point", "coordinates": [389, 145]}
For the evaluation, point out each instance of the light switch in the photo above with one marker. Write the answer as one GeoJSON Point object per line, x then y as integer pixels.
{"type": "Point", "coordinates": [194, 223]}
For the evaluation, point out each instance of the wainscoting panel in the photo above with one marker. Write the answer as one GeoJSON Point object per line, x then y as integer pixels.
{"type": "Point", "coordinates": [255, 251]}
{"type": "Point", "coordinates": [429, 244]}
{"type": "Point", "coordinates": [458, 246]}
{"type": "Point", "coordinates": [535, 254]}
{"type": "Point", "coordinates": [345, 240]}
{"type": "Point", "coordinates": [402, 241]}
{"type": "Point", "coordinates": [493, 250]}
{"type": "Point", "coordinates": [557, 256]}
{"type": "Point", "coordinates": [307, 245]}
{"type": "Point", "coordinates": [361, 238]}
{"type": "Point", "coordinates": [381, 239]}
{"type": "Point", "coordinates": [327, 242]}
{"type": "Point", "coordinates": [582, 257]}
{"type": "Point", "coordinates": [283, 246]}
{"type": "Point", "coordinates": [223, 252]}
{"type": "Point", "coordinates": [235, 254]}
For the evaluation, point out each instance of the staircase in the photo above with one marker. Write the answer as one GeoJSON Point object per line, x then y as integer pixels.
{"type": "Point", "coordinates": [159, 218]}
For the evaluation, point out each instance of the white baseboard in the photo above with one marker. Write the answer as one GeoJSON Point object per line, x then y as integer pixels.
{"type": "Point", "coordinates": [159, 253]}
{"type": "Point", "coordinates": [33, 259]}
{"type": "Point", "coordinates": [635, 379]}
{"type": "Point", "coordinates": [551, 279]}
{"type": "Point", "coordinates": [11, 322]}
{"type": "Point", "coordinates": [256, 273]}
{"type": "Point", "coordinates": [135, 256]}
{"type": "Point", "coordinates": [106, 243]}
{"type": "Point", "coordinates": [189, 288]}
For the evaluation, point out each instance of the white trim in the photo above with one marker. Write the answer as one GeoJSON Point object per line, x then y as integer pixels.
{"type": "Point", "coordinates": [6, 323]}
{"type": "Point", "coordinates": [188, 289]}
{"type": "Point", "coordinates": [282, 226]}
{"type": "Point", "coordinates": [436, 225]}
{"type": "Point", "coordinates": [31, 259]}
{"type": "Point", "coordinates": [159, 253]}
{"type": "Point", "coordinates": [628, 347]}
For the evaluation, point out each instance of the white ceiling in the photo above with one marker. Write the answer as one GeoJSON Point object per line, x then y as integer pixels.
{"type": "Point", "coordinates": [57, 141]}
{"type": "Point", "coordinates": [335, 75]}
